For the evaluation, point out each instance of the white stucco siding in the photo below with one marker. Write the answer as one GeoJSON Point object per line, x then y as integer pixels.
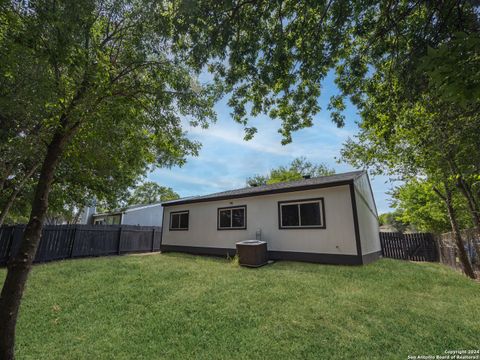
{"type": "Point", "coordinates": [367, 216]}
{"type": "Point", "coordinates": [262, 213]}
{"type": "Point", "coordinates": [362, 185]}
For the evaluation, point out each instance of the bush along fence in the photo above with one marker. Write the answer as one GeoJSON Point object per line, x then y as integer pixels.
{"type": "Point", "coordinates": [76, 241]}
{"type": "Point", "coordinates": [430, 247]}
{"type": "Point", "coordinates": [449, 252]}
{"type": "Point", "coordinates": [415, 246]}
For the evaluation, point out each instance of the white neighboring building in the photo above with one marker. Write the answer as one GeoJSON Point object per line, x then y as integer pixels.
{"type": "Point", "coordinates": [329, 219]}
{"type": "Point", "coordinates": [143, 215]}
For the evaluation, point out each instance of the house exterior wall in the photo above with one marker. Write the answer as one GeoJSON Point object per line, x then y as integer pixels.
{"type": "Point", "coordinates": [368, 225]}
{"type": "Point", "coordinates": [87, 215]}
{"type": "Point", "coordinates": [362, 185]}
{"type": "Point", "coordinates": [107, 219]}
{"type": "Point", "coordinates": [262, 214]}
{"type": "Point", "coordinates": [367, 216]}
{"type": "Point", "coordinates": [148, 216]}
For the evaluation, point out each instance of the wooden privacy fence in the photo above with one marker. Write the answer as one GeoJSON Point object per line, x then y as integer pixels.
{"type": "Point", "coordinates": [76, 241]}
{"type": "Point", "coordinates": [415, 246]}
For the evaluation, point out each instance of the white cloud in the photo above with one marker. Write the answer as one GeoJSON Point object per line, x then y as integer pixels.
{"type": "Point", "coordinates": [322, 142]}
{"type": "Point", "coordinates": [233, 136]}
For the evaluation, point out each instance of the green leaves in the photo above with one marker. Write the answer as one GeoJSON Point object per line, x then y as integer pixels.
{"type": "Point", "coordinates": [110, 74]}
{"type": "Point", "coordinates": [297, 169]}
{"type": "Point", "coordinates": [417, 204]}
{"type": "Point", "coordinates": [150, 192]}
{"type": "Point", "coordinates": [271, 56]}
{"type": "Point", "coordinates": [453, 68]}
{"type": "Point", "coordinates": [415, 117]}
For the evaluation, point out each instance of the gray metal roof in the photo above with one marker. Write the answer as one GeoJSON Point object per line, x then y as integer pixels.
{"type": "Point", "coordinates": [304, 184]}
{"type": "Point", "coordinates": [135, 206]}
{"type": "Point", "coordinates": [126, 209]}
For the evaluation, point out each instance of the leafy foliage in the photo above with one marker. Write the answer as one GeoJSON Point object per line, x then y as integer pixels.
{"type": "Point", "coordinates": [297, 170]}
{"type": "Point", "coordinates": [107, 78]}
{"type": "Point", "coordinates": [418, 204]}
{"type": "Point", "coordinates": [412, 126]}
{"type": "Point", "coordinates": [394, 220]}
{"type": "Point", "coordinates": [150, 192]}
{"type": "Point", "coordinates": [453, 68]}
{"type": "Point", "coordinates": [271, 57]}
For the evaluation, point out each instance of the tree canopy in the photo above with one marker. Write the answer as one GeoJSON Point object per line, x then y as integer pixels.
{"type": "Point", "coordinates": [416, 203]}
{"type": "Point", "coordinates": [411, 125]}
{"type": "Point", "coordinates": [101, 70]}
{"type": "Point", "coordinates": [394, 220]}
{"type": "Point", "coordinates": [150, 192]}
{"type": "Point", "coordinates": [296, 170]}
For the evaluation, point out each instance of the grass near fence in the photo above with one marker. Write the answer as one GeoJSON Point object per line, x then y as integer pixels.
{"type": "Point", "coordinates": [176, 306]}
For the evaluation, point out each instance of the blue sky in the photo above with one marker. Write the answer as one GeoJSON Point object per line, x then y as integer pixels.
{"type": "Point", "coordinates": [226, 160]}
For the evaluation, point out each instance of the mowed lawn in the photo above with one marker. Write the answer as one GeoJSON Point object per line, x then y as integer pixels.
{"type": "Point", "coordinates": [177, 306]}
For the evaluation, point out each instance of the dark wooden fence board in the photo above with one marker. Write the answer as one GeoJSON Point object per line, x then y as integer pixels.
{"type": "Point", "coordinates": [133, 240]}
{"type": "Point", "coordinates": [16, 239]}
{"type": "Point", "coordinates": [89, 242]}
{"type": "Point", "coordinates": [415, 246]}
{"type": "Point", "coordinates": [75, 241]}
{"type": "Point", "coordinates": [6, 233]}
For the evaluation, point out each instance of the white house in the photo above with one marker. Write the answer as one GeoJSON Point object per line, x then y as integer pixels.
{"type": "Point", "coordinates": [144, 215]}
{"type": "Point", "coordinates": [328, 219]}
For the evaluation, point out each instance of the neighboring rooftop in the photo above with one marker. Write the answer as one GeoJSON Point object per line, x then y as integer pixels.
{"type": "Point", "coordinates": [304, 184]}
{"type": "Point", "coordinates": [127, 209]}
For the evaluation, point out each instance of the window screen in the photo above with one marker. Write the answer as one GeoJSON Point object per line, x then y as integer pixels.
{"type": "Point", "coordinates": [232, 218]}
{"type": "Point", "coordinates": [290, 215]}
{"type": "Point", "coordinates": [310, 214]}
{"type": "Point", "coordinates": [301, 214]}
{"type": "Point", "coordinates": [225, 218]}
{"type": "Point", "coordinates": [179, 220]}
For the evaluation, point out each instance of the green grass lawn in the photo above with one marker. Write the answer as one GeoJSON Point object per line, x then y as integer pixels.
{"type": "Point", "coordinates": [182, 307]}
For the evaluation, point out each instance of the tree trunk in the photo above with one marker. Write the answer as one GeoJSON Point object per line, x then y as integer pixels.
{"type": "Point", "coordinates": [14, 194]}
{"type": "Point", "coordinates": [466, 191]}
{"type": "Point", "coordinates": [473, 208]}
{"type": "Point", "coordinates": [20, 265]}
{"type": "Point", "coordinates": [467, 266]}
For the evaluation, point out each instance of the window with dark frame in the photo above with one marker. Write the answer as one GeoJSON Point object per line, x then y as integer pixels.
{"type": "Point", "coordinates": [232, 218]}
{"type": "Point", "coordinates": [302, 214]}
{"type": "Point", "coordinates": [179, 220]}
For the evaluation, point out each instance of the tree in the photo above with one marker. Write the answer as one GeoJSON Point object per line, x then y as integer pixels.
{"type": "Point", "coordinates": [116, 158]}
{"type": "Point", "coordinates": [424, 66]}
{"type": "Point", "coordinates": [297, 170]}
{"type": "Point", "coordinates": [418, 204]}
{"type": "Point", "coordinates": [410, 125]}
{"type": "Point", "coordinates": [452, 68]}
{"type": "Point", "coordinates": [394, 140]}
{"type": "Point", "coordinates": [101, 65]}
{"type": "Point", "coordinates": [257, 180]}
{"type": "Point", "coordinates": [394, 219]}
{"type": "Point", "coordinates": [150, 192]}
